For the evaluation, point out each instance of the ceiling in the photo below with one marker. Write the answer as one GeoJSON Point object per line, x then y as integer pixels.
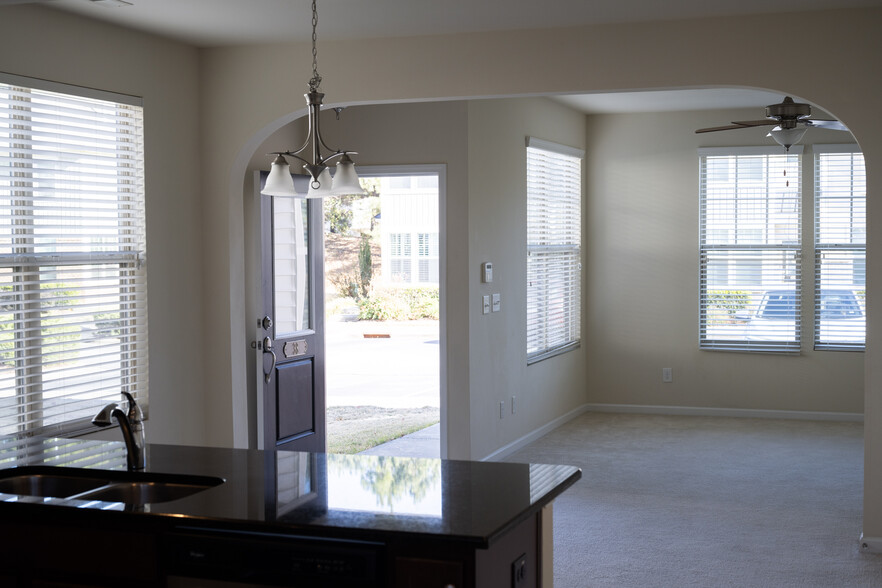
{"type": "Point", "coordinates": [215, 23]}
{"type": "Point", "coordinates": [209, 23]}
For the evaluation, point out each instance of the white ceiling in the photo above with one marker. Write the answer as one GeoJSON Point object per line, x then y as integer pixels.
{"type": "Point", "coordinates": [213, 23]}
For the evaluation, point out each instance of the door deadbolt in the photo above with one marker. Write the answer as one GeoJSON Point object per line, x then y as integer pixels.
{"type": "Point", "coordinates": [267, 323]}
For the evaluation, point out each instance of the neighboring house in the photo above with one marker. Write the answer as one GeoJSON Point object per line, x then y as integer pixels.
{"type": "Point", "coordinates": [409, 231]}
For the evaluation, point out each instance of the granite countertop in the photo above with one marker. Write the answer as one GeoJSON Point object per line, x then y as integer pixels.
{"type": "Point", "coordinates": [305, 493]}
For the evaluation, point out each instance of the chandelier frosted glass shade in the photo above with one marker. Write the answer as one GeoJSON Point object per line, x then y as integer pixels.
{"type": "Point", "coordinates": [279, 182]}
{"type": "Point", "coordinates": [324, 188]}
{"type": "Point", "coordinates": [346, 180]}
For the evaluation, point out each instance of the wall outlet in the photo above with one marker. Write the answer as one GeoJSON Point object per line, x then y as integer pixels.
{"type": "Point", "coordinates": [667, 375]}
{"type": "Point", "coordinates": [501, 408]}
{"type": "Point", "coordinates": [513, 410]}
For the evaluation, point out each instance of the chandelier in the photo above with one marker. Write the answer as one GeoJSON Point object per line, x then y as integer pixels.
{"type": "Point", "coordinates": [345, 180]}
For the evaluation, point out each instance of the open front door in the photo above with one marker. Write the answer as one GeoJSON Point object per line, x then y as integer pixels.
{"type": "Point", "coordinates": [291, 327]}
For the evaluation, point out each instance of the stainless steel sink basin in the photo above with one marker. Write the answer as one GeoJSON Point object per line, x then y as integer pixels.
{"type": "Point", "coordinates": [136, 488]}
{"type": "Point", "coordinates": [48, 485]}
{"type": "Point", "coordinates": [142, 492]}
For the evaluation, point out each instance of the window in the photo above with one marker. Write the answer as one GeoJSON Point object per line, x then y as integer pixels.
{"type": "Point", "coordinates": [400, 256]}
{"type": "Point", "coordinates": [750, 241]}
{"type": "Point", "coordinates": [840, 247]}
{"type": "Point", "coordinates": [554, 248]}
{"type": "Point", "coordinates": [73, 308]}
{"type": "Point", "coordinates": [428, 258]}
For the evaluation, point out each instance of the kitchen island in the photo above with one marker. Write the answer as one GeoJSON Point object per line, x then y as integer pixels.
{"type": "Point", "coordinates": [271, 518]}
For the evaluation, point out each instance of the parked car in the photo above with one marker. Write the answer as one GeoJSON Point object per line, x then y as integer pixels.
{"type": "Point", "coordinates": [841, 317]}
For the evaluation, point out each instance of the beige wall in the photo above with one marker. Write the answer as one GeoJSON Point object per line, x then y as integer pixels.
{"type": "Point", "coordinates": [642, 267]}
{"type": "Point", "coordinates": [55, 46]}
{"type": "Point", "coordinates": [497, 212]}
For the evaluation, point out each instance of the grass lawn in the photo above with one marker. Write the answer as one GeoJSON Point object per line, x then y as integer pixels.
{"type": "Point", "coordinates": [352, 429]}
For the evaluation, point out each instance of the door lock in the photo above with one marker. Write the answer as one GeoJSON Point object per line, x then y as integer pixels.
{"type": "Point", "coordinates": [267, 323]}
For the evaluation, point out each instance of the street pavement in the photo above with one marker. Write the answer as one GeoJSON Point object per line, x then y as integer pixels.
{"type": "Point", "coordinates": [400, 368]}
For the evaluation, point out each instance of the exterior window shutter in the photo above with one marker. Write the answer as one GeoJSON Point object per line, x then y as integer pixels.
{"type": "Point", "coordinates": [73, 290]}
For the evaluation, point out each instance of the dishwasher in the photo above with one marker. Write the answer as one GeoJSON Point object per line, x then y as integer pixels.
{"type": "Point", "coordinates": [199, 558]}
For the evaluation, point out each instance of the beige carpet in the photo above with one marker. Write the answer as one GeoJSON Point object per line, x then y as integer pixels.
{"type": "Point", "coordinates": [701, 501]}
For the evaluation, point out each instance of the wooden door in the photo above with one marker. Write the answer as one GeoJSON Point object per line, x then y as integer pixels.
{"type": "Point", "coordinates": [291, 326]}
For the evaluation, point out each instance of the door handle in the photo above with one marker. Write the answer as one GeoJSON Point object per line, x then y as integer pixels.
{"type": "Point", "coordinates": [268, 348]}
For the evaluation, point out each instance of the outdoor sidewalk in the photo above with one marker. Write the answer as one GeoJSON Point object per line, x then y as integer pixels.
{"type": "Point", "coordinates": [424, 443]}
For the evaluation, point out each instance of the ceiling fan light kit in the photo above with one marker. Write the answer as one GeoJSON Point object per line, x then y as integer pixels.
{"type": "Point", "coordinates": [790, 120]}
{"type": "Point", "coordinates": [280, 183]}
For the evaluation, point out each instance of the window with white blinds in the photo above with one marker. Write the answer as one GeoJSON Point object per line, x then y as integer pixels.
{"type": "Point", "coordinates": [554, 248]}
{"type": "Point", "coordinates": [73, 292]}
{"type": "Point", "coordinates": [750, 241]}
{"type": "Point", "coordinates": [840, 247]}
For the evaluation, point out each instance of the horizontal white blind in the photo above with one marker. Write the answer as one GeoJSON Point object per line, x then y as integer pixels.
{"type": "Point", "coordinates": [554, 243]}
{"type": "Point", "coordinates": [73, 297]}
{"type": "Point", "coordinates": [750, 235]}
{"type": "Point", "coordinates": [840, 247]}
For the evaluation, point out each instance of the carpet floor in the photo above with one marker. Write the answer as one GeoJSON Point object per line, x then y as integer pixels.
{"type": "Point", "coordinates": [673, 501]}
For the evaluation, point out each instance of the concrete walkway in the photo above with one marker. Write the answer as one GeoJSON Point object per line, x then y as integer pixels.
{"type": "Point", "coordinates": [424, 443]}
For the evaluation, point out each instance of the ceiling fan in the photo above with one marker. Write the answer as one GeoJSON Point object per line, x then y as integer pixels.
{"type": "Point", "coordinates": [790, 119]}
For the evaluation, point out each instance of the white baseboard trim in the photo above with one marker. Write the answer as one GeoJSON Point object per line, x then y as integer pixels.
{"type": "Point", "coordinates": [804, 415]}
{"type": "Point", "coordinates": [871, 544]}
{"type": "Point", "coordinates": [507, 450]}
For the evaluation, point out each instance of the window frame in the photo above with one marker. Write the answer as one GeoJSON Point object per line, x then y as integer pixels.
{"type": "Point", "coordinates": [790, 256]}
{"type": "Point", "coordinates": [561, 248]}
{"type": "Point", "coordinates": [95, 262]}
{"type": "Point", "coordinates": [857, 248]}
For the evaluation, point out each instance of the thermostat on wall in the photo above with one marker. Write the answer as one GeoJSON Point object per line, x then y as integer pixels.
{"type": "Point", "coordinates": [488, 271]}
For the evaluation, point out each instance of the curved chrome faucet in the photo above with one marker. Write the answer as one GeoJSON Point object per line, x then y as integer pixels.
{"type": "Point", "coordinates": [132, 424]}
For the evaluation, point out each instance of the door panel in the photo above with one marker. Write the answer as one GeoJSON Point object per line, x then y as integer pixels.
{"type": "Point", "coordinates": [294, 399]}
{"type": "Point", "coordinates": [292, 325]}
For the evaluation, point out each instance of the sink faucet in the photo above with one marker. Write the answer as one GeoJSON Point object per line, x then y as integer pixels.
{"type": "Point", "coordinates": [132, 425]}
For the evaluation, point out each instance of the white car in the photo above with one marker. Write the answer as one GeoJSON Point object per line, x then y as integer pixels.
{"type": "Point", "coordinates": [841, 318]}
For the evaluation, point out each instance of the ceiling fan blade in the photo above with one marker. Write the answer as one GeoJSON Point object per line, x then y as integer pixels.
{"type": "Point", "coordinates": [755, 123]}
{"type": "Point", "coordinates": [834, 125]}
{"type": "Point", "coordinates": [725, 128]}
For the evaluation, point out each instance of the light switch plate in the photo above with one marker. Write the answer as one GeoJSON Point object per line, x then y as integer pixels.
{"type": "Point", "coordinates": [497, 304]}
{"type": "Point", "coordinates": [486, 304]}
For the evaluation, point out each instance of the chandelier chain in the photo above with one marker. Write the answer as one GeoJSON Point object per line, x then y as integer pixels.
{"type": "Point", "coordinates": [316, 80]}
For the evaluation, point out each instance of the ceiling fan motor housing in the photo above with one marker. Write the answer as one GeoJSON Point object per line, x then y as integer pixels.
{"type": "Point", "coordinates": [788, 113]}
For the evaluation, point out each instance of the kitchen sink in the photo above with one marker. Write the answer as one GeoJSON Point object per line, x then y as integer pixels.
{"type": "Point", "coordinates": [142, 492]}
{"type": "Point", "coordinates": [137, 488]}
{"type": "Point", "coordinates": [57, 486]}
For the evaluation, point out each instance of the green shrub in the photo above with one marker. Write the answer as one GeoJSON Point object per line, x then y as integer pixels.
{"type": "Point", "coordinates": [723, 305]}
{"type": "Point", "coordinates": [400, 304]}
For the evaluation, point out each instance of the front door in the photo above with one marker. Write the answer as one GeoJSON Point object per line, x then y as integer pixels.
{"type": "Point", "coordinates": [291, 326]}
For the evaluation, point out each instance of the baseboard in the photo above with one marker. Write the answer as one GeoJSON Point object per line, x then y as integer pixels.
{"type": "Point", "coordinates": [507, 450]}
{"type": "Point", "coordinates": [871, 544]}
{"type": "Point", "coordinates": [804, 415]}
